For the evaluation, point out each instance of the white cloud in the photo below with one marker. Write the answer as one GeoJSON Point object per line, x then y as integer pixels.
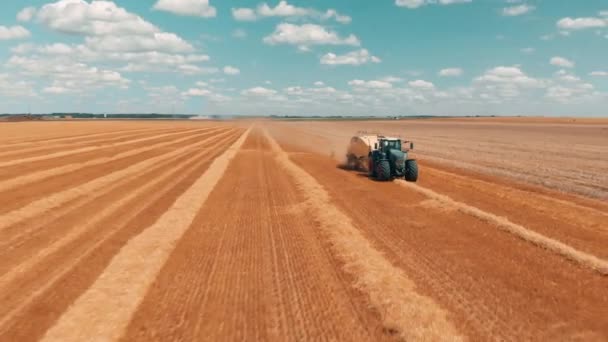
{"type": "Point", "coordinates": [599, 73]}
{"type": "Point", "coordinates": [358, 57]}
{"type": "Point", "coordinates": [282, 9]}
{"type": "Point", "coordinates": [505, 82]}
{"type": "Point", "coordinates": [285, 10]}
{"type": "Point", "coordinates": [307, 34]}
{"type": "Point", "coordinates": [26, 14]}
{"type": "Point", "coordinates": [421, 84]}
{"type": "Point", "coordinates": [68, 76]}
{"type": "Point", "coordinates": [160, 41]}
{"type": "Point", "coordinates": [13, 32]}
{"type": "Point", "coordinates": [319, 84]}
{"type": "Point", "coordinates": [259, 92]}
{"type": "Point", "coordinates": [244, 14]}
{"type": "Point", "coordinates": [374, 84]}
{"type": "Point", "coordinates": [15, 87]}
{"type": "Point", "coordinates": [197, 92]}
{"type": "Point", "coordinates": [517, 10]}
{"type": "Point", "coordinates": [450, 72]}
{"type": "Point", "coordinates": [561, 62]}
{"type": "Point", "coordinates": [95, 18]}
{"type": "Point", "coordinates": [331, 13]}
{"type": "Point", "coordinates": [528, 50]}
{"type": "Point", "coordinates": [420, 3]}
{"type": "Point", "coordinates": [198, 8]}
{"type": "Point", "coordinates": [581, 23]}
{"type": "Point", "coordinates": [229, 70]}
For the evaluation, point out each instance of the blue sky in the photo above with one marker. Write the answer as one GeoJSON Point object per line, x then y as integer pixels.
{"type": "Point", "coordinates": [340, 57]}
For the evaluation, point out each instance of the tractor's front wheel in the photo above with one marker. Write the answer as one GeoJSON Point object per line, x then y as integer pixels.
{"type": "Point", "coordinates": [383, 170]}
{"type": "Point", "coordinates": [411, 170]}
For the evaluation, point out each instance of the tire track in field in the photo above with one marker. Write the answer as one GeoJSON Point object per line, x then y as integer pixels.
{"type": "Point", "coordinates": [38, 239]}
{"type": "Point", "coordinates": [33, 278]}
{"type": "Point", "coordinates": [45, 148]}
{"type": "Point", "coordinates": [389, 290]}
{"type": "Point", "coordinates": [88, 149]}
{"type": "Point", "coordinates": [557, 247]}
{"type": "Point", "coordinates": [37, 176]}
{"type": "Point", "coordinates": [31, 317]}
{"type": "Point", "coordinates": [124, 282]}
{"type": "Point", "coordinates": [55, 200]}
{"type": "Point", "coordinates": [251, 268]}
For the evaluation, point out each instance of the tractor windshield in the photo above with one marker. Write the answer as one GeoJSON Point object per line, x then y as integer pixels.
{"type": "Point", "coordinates": [393, 144]}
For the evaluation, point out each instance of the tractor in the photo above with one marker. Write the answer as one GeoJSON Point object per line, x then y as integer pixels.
{"type": "Point", "coordinates": [383, 157]}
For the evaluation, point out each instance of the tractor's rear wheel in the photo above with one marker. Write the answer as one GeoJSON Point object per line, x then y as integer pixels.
{"type": "Point", "coordinates": [383, 170]}
{"type": "Point", "coordinates": [411, 170]}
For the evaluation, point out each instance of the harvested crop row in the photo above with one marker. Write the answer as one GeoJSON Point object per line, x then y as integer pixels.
{"type": "Point", "coordinates": [87, 149]}
{"type": "Point", "coordinates": [64, 169]}
{"type": "Point", "coordinates": [48, 148]}
{"type": "Point", "coordinates": [37, 241]}
{"type": "Point", "coordinates": [136, 266]}
{"type": "Point", "coordinates": [45, 204]}
{"type": "Point", "coordinates": [252, 267]}
{"type": "Point", "coordinates": [65, 274]}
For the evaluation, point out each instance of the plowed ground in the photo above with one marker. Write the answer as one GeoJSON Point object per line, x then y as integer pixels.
{"type": "Point", "coordinates": [209, 231]}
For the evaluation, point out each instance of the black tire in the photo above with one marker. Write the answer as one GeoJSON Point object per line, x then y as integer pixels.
{"type": "Point", "coordinates": [411, 170]}
{"type": "Point", "coordinates": [383, 170]}
{"type": "Point", "coordinates": [371, 168]}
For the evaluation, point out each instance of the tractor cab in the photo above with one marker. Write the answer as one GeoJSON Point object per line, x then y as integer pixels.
{"type": "Point", "coordinates": [390, 144]}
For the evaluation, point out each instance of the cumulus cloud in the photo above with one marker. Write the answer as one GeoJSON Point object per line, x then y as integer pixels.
{"type": "Point", "coordinates": [506, 82]}
{"type": "Point", "coordinates": [229, 70]}
{"type": "Point", "coordinates": [13, 32]}
{"type": "Point", "coordinates": [259, 92]}
{"type": "Point", "coordinates": [285, 10]}
{"type": "Point", "coordinates": [95, 18]}
{"type": "Point", "coordinates": [306, 35]}
{"type": "Point", "coordinates": [26, 14]}
{"type": "Point", "coordinates": [160, 41]}
{"type": "Point", "coordinates": [419, 3]}
{"type": "Point", "coordinates": [374, 84]}
{"type": "Point", "coordinates": [197, 8]}
{"type": "Point", "coordinates": [450, 72]}
{"type": "Point", "coordinates": [517, 10]}
{"type": "Point", "coordinates": [561, 62]}
{"type": "Point", "coordinates": [244, 14]}
{"type": "Point", "coordinates": [598, 73]}
{"type": "Point", "coordinates": [16, 87]}
{"type": "Point", "coordinates": [421, 84]}
{"type": "Point", "coordinates": [68, 76]}
{"type": "Point", "coordinates": [113, 36]}
{"type": "Point", "coordinates": [581, 23]}
{"type": "Point", "coordinates": [358, 57]}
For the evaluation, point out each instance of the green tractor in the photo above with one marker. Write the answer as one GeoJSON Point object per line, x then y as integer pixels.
{"type": "Point", "coordinates": [386, 158]}
{"type": "Point", "coordinates": [389, 161]}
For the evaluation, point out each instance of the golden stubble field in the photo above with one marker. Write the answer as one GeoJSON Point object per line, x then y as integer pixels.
{"type": "Point", "coordinates": [177, 230]}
